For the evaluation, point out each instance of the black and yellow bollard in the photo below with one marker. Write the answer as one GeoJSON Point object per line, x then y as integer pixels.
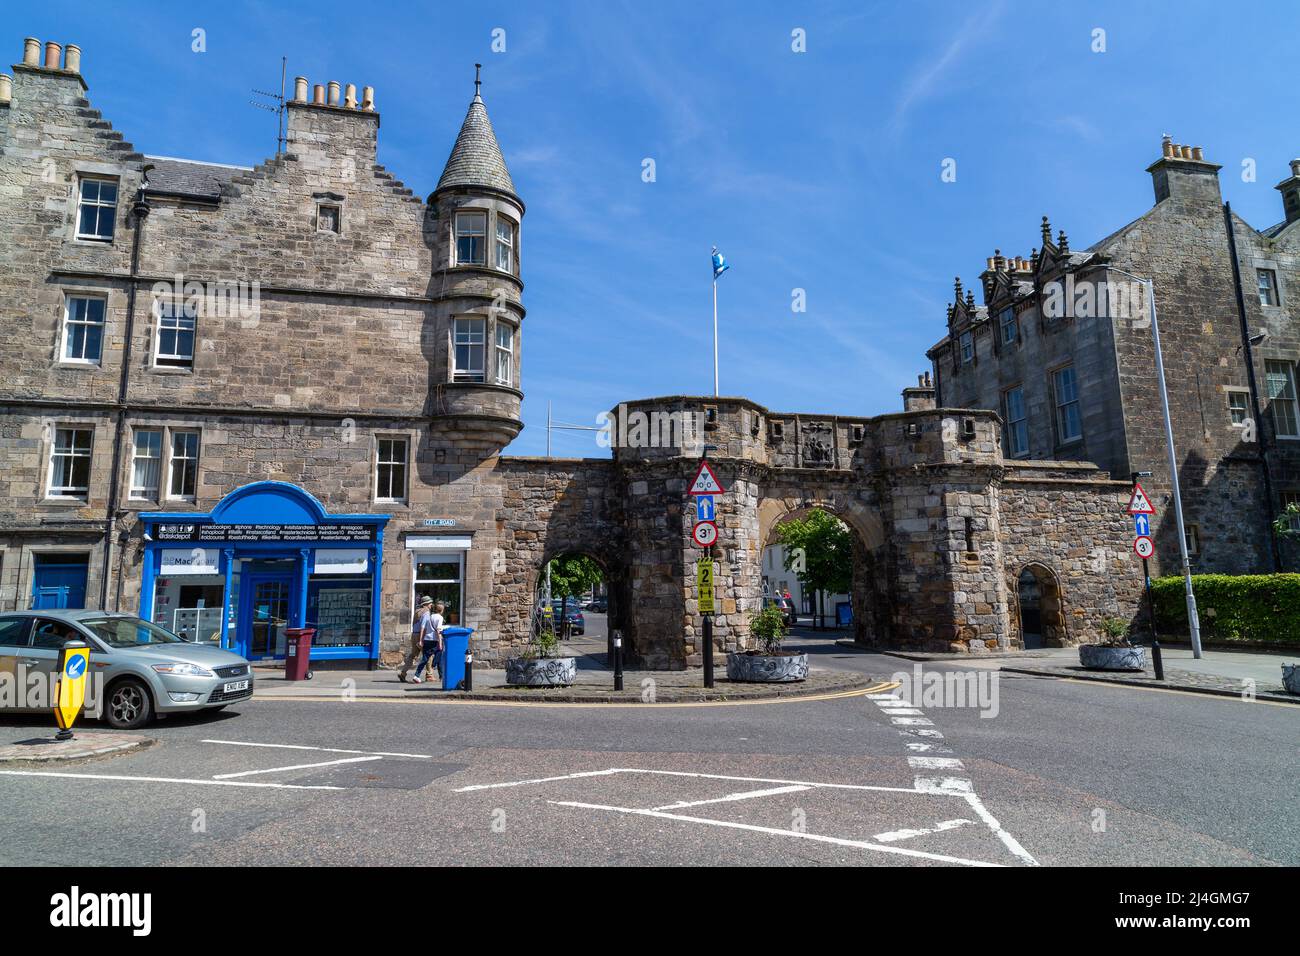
{"type": "Point", "coordinates": [70, 692]}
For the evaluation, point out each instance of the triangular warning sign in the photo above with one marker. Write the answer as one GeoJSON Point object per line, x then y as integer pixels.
{"type": "Point", "coordinates": [705, 483]}
{"type": "Point", "coordinates": [1140, 504]}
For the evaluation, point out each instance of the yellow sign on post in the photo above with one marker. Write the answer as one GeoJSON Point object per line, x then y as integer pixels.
{"type": "Point", "coordinates": [70, 693]}
{"type": "Point", "coordinates": [704, 581]}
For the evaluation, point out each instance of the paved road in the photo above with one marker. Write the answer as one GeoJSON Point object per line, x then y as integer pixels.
{"type": "Point", "coordinates": [1065, 773]}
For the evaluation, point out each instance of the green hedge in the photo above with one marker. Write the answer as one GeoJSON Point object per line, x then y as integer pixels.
{"type": "Point", "coordinates": [1233, 607]}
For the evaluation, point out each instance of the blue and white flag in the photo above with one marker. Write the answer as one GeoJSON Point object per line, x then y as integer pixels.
{"type": "Point", "coordinates": [719, 263]}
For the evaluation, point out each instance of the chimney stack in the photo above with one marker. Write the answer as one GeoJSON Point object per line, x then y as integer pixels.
{"type": "Point", "coordinates": [921, 396]}
{"type": "Point", "coordinates": [1183, 173]}
{"type": "Point", "coordinates": [1290, 190]}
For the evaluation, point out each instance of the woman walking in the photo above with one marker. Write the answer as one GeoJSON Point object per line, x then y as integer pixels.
{"type": "Point", "coordinates": [431, 642]}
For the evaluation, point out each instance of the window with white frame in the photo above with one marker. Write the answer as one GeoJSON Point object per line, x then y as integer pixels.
{"type": "Point", "coordinates": [469, 339]}
{"type": "Point", "coordinates": [1292, 498]}
{"type": "Point", "coordinates": [471, 238]}
{"type": "Point", "coordinates": [174, 340]}
{"type": "Point", "coordinates": [1279, 377]}
{"type": "Point", "coordinates": [505, 350]}
{"type": "Point", "coordinates": [69, 475]}
{"type": "Point", "coordinates": [96, 208]}
{"type": "Point", "coordinates": [390, 469]}
{"type": "Point", "coordinates": [1017, 421]}
{"type": "Point", "coordinates": [505, 245]}
{"type": "Point", "coordinates": [1192, 534]}
{"type": "Point", "coordinates": [183, 464]}
{"type": "Point", "coordinates": [1266, 281]}
{"type": "Point", "coordinates": [1010, 328]}
{"type": "Point", "coordinates": [83, 329]}
{"type": "Point", "coordinates": [1238, 405]}
{"type": "Point", "coordinates": [146, 463]}
{"type": "Point", "coordinates": [440, 575]}
{"type": "Point", "coordinates": [1069, 422]}
{"type": "Point", "coordinates": [967, 343]}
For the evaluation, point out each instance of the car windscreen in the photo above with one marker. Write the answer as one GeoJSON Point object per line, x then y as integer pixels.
{"type": "Point", "coordinates": [128, 632]}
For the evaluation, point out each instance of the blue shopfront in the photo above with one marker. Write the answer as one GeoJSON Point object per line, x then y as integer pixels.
{"type": "Point", "coordinates": [266, 558]}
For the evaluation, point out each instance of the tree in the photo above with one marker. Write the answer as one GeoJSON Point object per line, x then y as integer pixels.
{"type": "Point", "coordinates": [572, 575]}
{"type": "Point", "coordinates": [819, 549]}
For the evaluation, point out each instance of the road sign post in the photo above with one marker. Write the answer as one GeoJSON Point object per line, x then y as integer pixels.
{"type": "Point", "coordinates": [1140, 508]}
{"type": "Point", "coordinates": [70, 693]}
{"type": "Point", "coordinates": [703, 488]}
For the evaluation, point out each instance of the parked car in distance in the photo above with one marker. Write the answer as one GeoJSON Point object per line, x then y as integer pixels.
{"type": "Point", "coordinates": [598, 605]}
{"type": "Point", "coordinates": [577, 623]}
{"type": "Point", "coordinates": [142, 669]}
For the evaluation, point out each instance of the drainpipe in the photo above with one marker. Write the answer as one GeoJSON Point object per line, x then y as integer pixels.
{"type": "Point", "coordinates": [139, 209]}
{"type": "Point", "coordinates": [1247, 353]}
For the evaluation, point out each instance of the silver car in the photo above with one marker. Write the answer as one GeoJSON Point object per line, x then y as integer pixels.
{"type": "Point", "coordinates": [137, 669]}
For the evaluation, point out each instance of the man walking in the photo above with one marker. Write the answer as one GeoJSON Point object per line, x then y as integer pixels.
{"type": "Point", "coordinates": [417, 630]}
{"type": "Point", "coordinates": [431, 642]}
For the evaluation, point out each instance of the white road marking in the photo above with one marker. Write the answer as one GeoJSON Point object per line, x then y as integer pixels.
{"type": "Point", "coordinates": [746, 795]}
{"type": "Point", "coordinates": [893, 697]}
{"type": "Point", "coordinates": [935, 763]}
{"type": "Point", "coordinates": [204, 783]}
{"type": "Point", "coordinates": [297, 766]}
{"type": "Point", "coordinates": [902, 711]}
{"type": "Point", "coordinates": [957, 786]}
{"type": "Point", "coordinates": [774, 831]}
{"type": "Point", "coordinates": [1011, 842]}
{"type": "Point", "coordinates": [684, 773]}
{"type": "Point", "coordinates": [920, 732]}
{"type": "Point", "coordinates": [911, 721]}
{"type": "Point", "coordinates": [332, 750]}
{"type": "Point", "coordinates": [894, 835]}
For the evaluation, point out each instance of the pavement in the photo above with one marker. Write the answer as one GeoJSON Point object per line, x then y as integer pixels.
{"type": "Point", "coordinates": [1217, 671]}
{"type": "Point", "coordinates": [43, 748]}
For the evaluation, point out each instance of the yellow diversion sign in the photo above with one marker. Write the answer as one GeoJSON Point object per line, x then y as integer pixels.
{"type": "Point", "coordinates": [70, 694]}
{"type": "Point", "coordinates": [704, 581]}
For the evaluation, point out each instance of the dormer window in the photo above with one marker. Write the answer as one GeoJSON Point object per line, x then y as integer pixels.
{"type": "Point", "coordinates": [1007, 323]}
{"type": "Point", "coordinates": [505, 245]}
{"type": "Point", "coordinates": [967, 345]}
{"type": "Point", "coordinates": [471, 238]}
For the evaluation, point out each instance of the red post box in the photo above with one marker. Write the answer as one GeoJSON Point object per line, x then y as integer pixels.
{"type": "Point", "coordinates": [297, 660]}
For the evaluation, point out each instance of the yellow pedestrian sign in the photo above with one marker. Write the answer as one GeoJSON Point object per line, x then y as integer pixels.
{"type": "Point", "coordinates": [70, 693]}
{"type": "Point", "coordinates": [704, 581]}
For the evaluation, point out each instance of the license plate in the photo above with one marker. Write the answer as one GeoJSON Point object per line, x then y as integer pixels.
{"type": "Point", "coordinates": [234, 686]}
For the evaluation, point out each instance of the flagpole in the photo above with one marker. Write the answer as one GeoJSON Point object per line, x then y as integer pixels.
{"type": "Point", "coordinates": [715, 336]}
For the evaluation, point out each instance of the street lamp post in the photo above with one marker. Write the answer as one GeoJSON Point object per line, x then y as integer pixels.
{"type": "Point", "coordinates": [1193, 620]}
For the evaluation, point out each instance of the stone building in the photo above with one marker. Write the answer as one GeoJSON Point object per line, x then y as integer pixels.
{"type": "Point", "coordinates": [1060, 345]}
{"type": "Point", "coordinates": [238, 399]}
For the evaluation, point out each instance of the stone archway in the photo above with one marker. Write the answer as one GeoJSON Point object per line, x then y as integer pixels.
{"type": "Point", "coordinates": [614, 577]}
{"type": "Point", "coordinates": [1040, 610]}
{"type": "Point", "coordinates": [867, 594]}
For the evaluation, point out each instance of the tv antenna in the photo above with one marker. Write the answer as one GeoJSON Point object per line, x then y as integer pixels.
{"type": "Point", "coordinates": [277, 109]}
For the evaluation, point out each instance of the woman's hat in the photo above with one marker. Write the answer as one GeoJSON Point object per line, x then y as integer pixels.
{"type": "Point", "coordinates": [425, 600]}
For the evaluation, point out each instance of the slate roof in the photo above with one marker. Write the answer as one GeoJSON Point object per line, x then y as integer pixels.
{"type": "Point", "coordinates": [187, 177]}
{"type": "Point", "coordinates": [476, 158]}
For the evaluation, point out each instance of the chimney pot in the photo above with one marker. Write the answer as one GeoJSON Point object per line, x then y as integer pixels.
{"type": "Point", "coordinates": [318, 95]}
{"type": "Point", "coordinates": [6, 88]}
{"type": "Point", "coordinates": [989, 260]}
{"type": "Point", "coordinates": [334, 93]}
{"type": "Point", "coordinates": [1198, 153]}
{"type": "Point", "coordinates": [1167, 148]}
{"type": "Point", "coordinates": [72, 58]}
{"type": "Point", "coordinates": [31, 52]}
{"type": "Point", "coordinates": [53, 53]}
{"type": "Point", "coordinates": [300, 89]}
{"type": "Point", "coordinates": [1295, 167]}
{"type": "Point", "coordinates": [368, 99]}
{"type": "Point", "coordinates": [350, 96]}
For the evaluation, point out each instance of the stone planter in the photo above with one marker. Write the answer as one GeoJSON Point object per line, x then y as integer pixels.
{"type": "Point", "coordinates": [1098, 657]}
{"type": "Point", "coordinates": [541, 671]}
{"type": "Point", "coordinates": [766, 669]}
{"type": "Point", "coordinates": [1291, 678]}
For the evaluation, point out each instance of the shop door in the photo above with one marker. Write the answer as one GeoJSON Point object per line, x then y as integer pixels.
{"type": "Point", "coordinates": [264, 615]}
{"type": "Point", "coordinates": [58, 584]}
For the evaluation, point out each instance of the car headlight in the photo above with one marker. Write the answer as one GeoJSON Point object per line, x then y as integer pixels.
{"type": "Point", "coordinates": [182, 669]}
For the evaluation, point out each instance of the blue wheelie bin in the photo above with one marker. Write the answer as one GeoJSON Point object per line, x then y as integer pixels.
{"type": "Point", "coordinates": [455, 642]}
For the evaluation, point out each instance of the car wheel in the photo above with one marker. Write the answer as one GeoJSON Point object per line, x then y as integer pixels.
{"type": "Point", "coordinates": [128, 706]}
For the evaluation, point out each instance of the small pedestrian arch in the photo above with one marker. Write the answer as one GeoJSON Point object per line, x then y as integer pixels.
{"type": "Point", "coordinates": [1040, 610]}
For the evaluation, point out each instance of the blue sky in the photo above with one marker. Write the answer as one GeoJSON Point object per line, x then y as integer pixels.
{"type": "Point", "coordinates": [817, 170]}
